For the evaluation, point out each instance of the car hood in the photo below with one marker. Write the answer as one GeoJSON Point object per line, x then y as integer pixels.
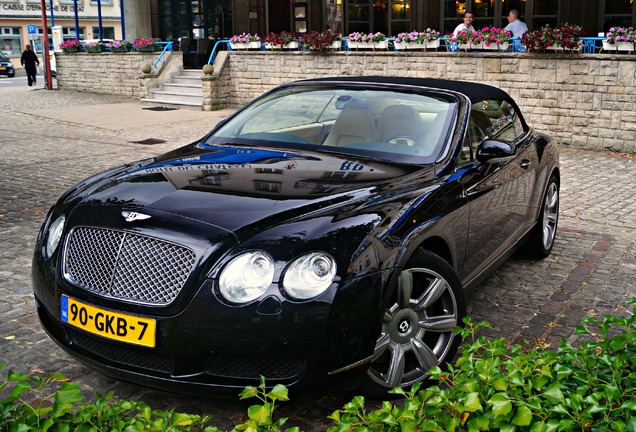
{"type": "Point", "coordinates": [233, 187]}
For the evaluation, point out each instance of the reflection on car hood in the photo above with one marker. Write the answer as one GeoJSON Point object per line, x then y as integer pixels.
{"type": "Point", "coordinates": [232, 187]}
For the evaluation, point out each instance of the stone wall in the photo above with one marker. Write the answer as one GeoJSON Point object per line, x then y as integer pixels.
{"type": "Point", "coordinates": [583, 100]}
{"type": "Point", "coordinates": [109, 73]}
{"type": "Point", "coordinates": [587, 101]}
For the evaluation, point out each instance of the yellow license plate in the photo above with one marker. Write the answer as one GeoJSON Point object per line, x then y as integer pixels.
{"type": "Point", "coordinates": [106, 323]}
{"type": "Point", "coordinates": [3, 68]}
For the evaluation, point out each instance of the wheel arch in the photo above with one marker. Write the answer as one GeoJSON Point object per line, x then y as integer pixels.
{"type": "Point", "coordinates": [438, 246]}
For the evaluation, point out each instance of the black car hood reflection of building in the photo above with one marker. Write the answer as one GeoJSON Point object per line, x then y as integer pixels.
{"type": "Point", "coordinates": [214, 187]}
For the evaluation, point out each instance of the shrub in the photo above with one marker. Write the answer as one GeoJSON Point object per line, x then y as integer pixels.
{"type": "Point", "coordinates": [494, 386]}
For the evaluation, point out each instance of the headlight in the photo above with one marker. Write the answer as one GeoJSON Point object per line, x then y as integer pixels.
{"type": "Point", "coordinates": [54, 235]}
{"type": "Point", "coordinates": [247, 277]}
{"type": "Point", "coordinates": [309, 276]}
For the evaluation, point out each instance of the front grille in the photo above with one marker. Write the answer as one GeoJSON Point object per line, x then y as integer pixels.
{"type": "Point", "coordinates": [126, 266]}
{"type": "Point", "coordinates": [254, 367]}
{"type": "Point", "coordinates": [124, 355]}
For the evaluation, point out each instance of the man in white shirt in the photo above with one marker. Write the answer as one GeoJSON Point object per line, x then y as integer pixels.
{"type": "Point", "coordinates": [466, 25]}
{"type": "Point", "coordinates": [515, 25]}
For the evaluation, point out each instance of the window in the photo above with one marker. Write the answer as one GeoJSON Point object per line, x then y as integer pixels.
{"type": "Point", "coordinates": [494, 119]}
{"type": "Point", "coordinates": [103, 2]}
{"type": "Point", "coordinates": [545, 12]}
{"type": "Point", "coordinates": [107, 32]}
{"type": "Point", "coordinates": [618, 13]}
{"type": "Point", "coordinates": [10, 42]}
{"type": "Point", "coordinates": [71, 2]}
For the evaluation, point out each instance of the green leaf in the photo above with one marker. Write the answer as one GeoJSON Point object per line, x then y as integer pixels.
{"type": "Point", "coordinates": [68, 394]}
{"type": "Point", "coordinates": [179, 419]}
{"type": "Point", "coordinates": [472, 403]}
{"type": "Point", "coordinates": [279, 392]}
{"type": "Point", "coordinates": [554, 391]}
{"type": "Point", "coordinates": [501, 405]}
{"type": "Point", "coordinates": [500, 384]}
{"type": "Point", "coordinates": [260, 414]}
{"type": "Point", "coordinates": [523, 417]}
{"type": "Point", "coordinates": [630, 405]}
{"type": "Point", "coordinates": [249, 392]}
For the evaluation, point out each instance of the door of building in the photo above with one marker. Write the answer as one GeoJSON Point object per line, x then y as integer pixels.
{"type": "Point", "coordinates": [385, 16]}
{"type": "Point", "coordinates": [279, 13]}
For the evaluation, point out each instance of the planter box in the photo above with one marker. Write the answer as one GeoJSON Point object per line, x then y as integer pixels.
{"type": "Point", "coordinates": [369, 45]}
{"type": "Point", "coordinates": [416, 46]}
{"type": "Point", "coordinates": [621, 46]}
{"type": "Point", "coordinates": [336, 45]}
{"type": "Point", "coordinates": [248, 45]}
{"type": "Point", "coordinates": [290, 45]}
{"type": "Point", "coordinates": [469, 46]}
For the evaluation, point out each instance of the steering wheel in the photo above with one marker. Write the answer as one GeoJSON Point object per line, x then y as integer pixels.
{"type": "Point", "coordinates": [403, 140]}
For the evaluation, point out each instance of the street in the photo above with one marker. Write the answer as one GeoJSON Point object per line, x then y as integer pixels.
{"type": "Point", "coordinates": [50, 140]}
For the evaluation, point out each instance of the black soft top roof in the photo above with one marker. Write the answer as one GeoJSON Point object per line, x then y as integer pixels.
{"type": "Point", "coordinates": [474, 91]}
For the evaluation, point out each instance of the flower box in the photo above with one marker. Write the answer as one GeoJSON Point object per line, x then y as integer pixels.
{"type": "Point", "coordinates": [95, 49]}
{"type": "Point", "coordinates": [336, 45]}
{"type": "Point", "coordinates": [289, 45]}
{"type": "Point", "coordinates": [470, 46]}
{"type": "Point", "coordinates": [247, 45]}
{"type": "Point", "coordinates": [620, 46]}
{"type": "Point", "coordinates": [369, 45]}
{"type": "Point", "coordinates": [416, 46]}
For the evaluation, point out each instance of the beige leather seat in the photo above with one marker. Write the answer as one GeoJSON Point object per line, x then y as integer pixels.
{"type": "Point", "coordinates": [399, 121]}
{"type": "Point", "coordinates": [352, 126]}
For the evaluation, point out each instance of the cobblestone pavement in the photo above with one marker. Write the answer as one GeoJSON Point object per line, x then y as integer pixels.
{"type": "Point", "coordinates": [50, 140]}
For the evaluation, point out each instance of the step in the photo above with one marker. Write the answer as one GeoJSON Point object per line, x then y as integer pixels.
{"type": "Point", "coordinates": [185, 89]}
{"type": "Point", "coordinates": [164, 103]}
{"type": "Point", "coordinates": [175, 96]}
{"type": "Point", "coordinates": [184, 79]}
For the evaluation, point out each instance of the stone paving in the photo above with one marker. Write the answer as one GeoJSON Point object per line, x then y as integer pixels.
{"type": "Point", "coordinates": [50, 140]}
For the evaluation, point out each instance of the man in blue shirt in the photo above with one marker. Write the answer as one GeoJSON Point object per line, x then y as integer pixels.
{"type": "Point", "coordinates": [515, 25]}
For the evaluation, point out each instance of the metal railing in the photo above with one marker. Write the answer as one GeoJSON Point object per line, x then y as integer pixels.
{"type": "Point", "coordinates": [167, 46]}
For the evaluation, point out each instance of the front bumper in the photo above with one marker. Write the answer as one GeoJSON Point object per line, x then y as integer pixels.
{"type": "Point", "coordinates": [209, 348]}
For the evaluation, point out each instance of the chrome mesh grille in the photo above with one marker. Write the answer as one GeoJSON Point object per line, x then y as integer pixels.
{"type": "Point", "coordinates": [126, 266]}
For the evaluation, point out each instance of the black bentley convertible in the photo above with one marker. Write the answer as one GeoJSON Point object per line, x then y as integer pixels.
{"type": "Point", "coordinates": [324, 233]}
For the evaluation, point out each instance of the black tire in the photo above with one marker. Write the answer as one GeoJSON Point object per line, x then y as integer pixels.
{"type": "Point", "coordinates": [10, 75]}
{"type": "Point", "coordinates": [417, 326]}
{"type": "Point", "coordinates": [541, 240]}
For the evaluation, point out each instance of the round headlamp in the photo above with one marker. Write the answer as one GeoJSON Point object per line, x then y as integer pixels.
{"type": "Point", "coordinates": [54, 235]}
{"type": "Point", "coordinates": [246, 277]}
{"type": "Point", "coordinates": [309, 275]}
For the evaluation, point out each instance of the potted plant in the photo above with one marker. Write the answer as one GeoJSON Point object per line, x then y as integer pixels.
{"type": "Point", "coordinates": [281, 40]}
{"type": "Point", "coordinates": [494, 38]}
{"type": "Point", "coordinates": [144, 45]}
{"type": "Point", "coordinates": [561, 38]}
{"type": "Point", "coordinates": [369, 40]}
{"type": "Point", "coordinates": [70, 46]}
{"type": "Point", "coordinates": [119, 46]}
{"type": "Point", "coordinates": [322, 41]}
{"type": "Point", "coordinates": [467, 40]}
{"type": "Point", "coordinates": [417, 40]}
{"type": "Point", "coordinates": [94, 46]}
{"type": "Point", "coordinates": [619, 39]}
{"type": "Point", "coordinates": [245, 41]}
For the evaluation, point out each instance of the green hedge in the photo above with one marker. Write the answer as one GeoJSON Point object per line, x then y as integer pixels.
{"type": "Point", "coordinates": [492, 386]}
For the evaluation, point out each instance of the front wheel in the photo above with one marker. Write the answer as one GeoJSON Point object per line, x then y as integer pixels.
{"type": "Point", "coordinates": [541, 240]}
{"type": "Point", "coordinates": [417, 326]}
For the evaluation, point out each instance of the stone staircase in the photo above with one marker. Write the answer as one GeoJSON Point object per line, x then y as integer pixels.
{"type": "Point", "coordinates": [182, 91]}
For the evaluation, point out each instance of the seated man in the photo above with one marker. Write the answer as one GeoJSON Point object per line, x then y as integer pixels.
{"type": "Point", "coordinates": [515, 25]}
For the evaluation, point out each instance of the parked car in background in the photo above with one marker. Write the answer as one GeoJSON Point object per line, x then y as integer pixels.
{"type": "Point", "coordinates": [323, 235]}
{"type": "Point", "coordinates": [6, 67]}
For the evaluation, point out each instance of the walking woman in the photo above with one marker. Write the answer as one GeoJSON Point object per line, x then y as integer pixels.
{"type": "Point", "coordinates": [29, 60]}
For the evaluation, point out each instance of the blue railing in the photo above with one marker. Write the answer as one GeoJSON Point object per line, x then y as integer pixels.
{"type": "Point", "coordinates": [217, 44]}
{"type": "Point", "coordinates": [167, 46]}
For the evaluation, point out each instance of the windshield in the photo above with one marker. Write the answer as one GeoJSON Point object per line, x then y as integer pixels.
{"type": "Point", "coordinates": [2, 56]}
{"type": "Point", "coordinates": [384, 124]}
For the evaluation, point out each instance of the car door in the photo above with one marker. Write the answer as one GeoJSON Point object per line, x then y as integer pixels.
{"type": "Point", "coordinates": [499, 192]}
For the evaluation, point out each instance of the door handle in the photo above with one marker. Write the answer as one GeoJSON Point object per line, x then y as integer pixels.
{"type": "Point", "coordinates": [525, 163]}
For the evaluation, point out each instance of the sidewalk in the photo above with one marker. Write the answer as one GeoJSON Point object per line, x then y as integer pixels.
{"type": "Point", "coordinates": [51, 140]}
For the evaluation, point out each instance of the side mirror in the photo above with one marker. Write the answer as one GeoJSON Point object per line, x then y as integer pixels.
{"type": "Point", "coordinates": [494, 151]}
